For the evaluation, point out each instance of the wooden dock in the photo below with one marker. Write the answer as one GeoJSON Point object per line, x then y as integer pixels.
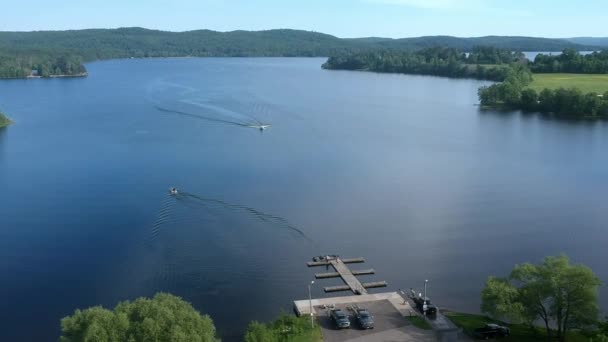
{"type": "Point", "coordinates": [349, 277]}
{"type": "Point", "coordinates": [327, 263]}
{"type": "Point", "coordinates": [339, 288]}
{"type": "Point", "coordinates": [336, 274]}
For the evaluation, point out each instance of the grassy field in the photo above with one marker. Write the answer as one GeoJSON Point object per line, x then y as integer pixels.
{"type": "Point", "coordinates": [420, 322]}
{"type": "Point", "coordinates": [587, 83]}
{"type": "Point", "coordinates": [309, 336]}
{"type": "Point", "coordinates": [519, 332]}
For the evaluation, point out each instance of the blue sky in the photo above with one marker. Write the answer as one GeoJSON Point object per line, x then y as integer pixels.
{"type": "Point", "coordinates": [343, 18]}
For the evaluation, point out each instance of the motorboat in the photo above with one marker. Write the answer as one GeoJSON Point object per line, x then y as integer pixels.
{"type": "Point", "coordinates": [260, 127]}
{"type": "Point", "coordinates": [173, 191]}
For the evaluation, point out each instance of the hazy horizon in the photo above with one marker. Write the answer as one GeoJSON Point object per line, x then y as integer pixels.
{"type": "Point", "coordinates": [340, 18]}
{"type": "Point", "coordinates": [294, 29]}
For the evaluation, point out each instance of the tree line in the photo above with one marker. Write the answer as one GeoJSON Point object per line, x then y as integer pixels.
{"type": "Point", "coordinates": [571, 61]}
{"type": "Point", "coordinates": [23, 64]}
{"type": "Point", "coordinates": [486, 63]}
{"type": "Point", "coordinates": [20, 51]}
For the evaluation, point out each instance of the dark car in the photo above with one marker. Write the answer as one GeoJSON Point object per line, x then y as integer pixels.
{"type": "Point", "coordinates": [340, 318]}
{"type": "Point", "coordinates": [365, 319]}
{"type": "Point", "coordinates": [491, 331]}
{"type": "Point", "coordinates": [431, 309]}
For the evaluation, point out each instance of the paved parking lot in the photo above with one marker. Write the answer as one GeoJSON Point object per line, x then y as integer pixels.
{"type": "Point", "coordinates": [389, 325]}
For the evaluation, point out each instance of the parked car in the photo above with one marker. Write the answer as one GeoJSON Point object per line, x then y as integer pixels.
{"type": "Point", "coordinates": [431, 309]}
{"type": "Point", "coordinates": [340, 318]}
{"type": "Point", "coordinates": [491, 331]}
{"type": "Point", "coordinates": [365, 319]}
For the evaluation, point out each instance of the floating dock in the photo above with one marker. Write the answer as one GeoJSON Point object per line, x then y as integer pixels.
{"type": "Point", "coordinates": [328, 262]}
{"type": "Point", "coordinates": [349, 277]}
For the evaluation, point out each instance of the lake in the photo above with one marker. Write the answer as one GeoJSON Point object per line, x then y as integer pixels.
{"type": "Point", "coordinates": [405, 171]}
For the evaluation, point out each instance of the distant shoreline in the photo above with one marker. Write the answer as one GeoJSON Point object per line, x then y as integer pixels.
{"type": "Point", "coordinates": [84, 74]}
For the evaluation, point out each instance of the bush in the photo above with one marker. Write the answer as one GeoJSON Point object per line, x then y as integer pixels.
{"type": "Point", "coordinates": [162, 318]}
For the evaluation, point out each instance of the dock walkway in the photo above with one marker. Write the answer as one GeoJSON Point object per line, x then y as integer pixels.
{"type": "Point", "coordinates": [348, 277]}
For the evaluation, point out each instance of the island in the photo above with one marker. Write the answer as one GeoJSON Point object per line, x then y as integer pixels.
{"type": "Point", "coordinates": [4, 121]}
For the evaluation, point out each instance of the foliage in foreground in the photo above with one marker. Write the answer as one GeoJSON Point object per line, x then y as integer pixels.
{"type": "Point", "coordinates": [162, 318]}
{"type": "Point", "coordinates": [556, 292]}
{"type": "Point", "coordinates": [286, 328]}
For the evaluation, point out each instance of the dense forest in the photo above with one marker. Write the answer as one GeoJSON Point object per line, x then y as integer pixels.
{"type": "Point", "coordinates": [590, 41]}
{"type": "Point", "coordinates": [571, 61]}
{"type": "Point", "coordinates": [487, 63]}
{"type": "Point", "coordinates": [63, 52]}
{"type": "Point", "coordinates": [43, 64]}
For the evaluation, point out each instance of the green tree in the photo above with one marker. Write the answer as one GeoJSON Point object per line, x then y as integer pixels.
{"type": "Point", "coordinates": [560, 294]}
{"type": "Point", "coordinates": [258, 332]}
{"type": "Point", "coordinates": [162, 318]}
{"type": "Point", "coordinates": [529, 99]}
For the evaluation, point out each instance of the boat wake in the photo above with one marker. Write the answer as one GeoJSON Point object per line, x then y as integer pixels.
{"type": "Point", "coordinates": [257, 214]}
{"type": "Point", "coordinates": [191, 102]}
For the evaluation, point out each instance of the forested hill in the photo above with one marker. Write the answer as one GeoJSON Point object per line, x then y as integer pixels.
{"type": "Point", "coordinates": [593, 41]}
{"type": "Point", "coordinates": [63, 52]}
{"type": "Point", "coordinates": [467, 44]}
{"type": "Point", "coordinates": [138, 42]}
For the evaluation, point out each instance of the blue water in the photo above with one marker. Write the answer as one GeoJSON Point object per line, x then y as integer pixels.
{"type": "Point", "coordinates": [403, 170]}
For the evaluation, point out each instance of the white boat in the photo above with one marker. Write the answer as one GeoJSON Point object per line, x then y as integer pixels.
{"type": "Point", "coordinates": [173, 191]}
{"type": "Point", "coordinates": [260, 127]}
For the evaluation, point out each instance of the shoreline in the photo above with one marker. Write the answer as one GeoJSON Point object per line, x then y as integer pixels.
{"type": "Point", "coordinates": [84, 74]}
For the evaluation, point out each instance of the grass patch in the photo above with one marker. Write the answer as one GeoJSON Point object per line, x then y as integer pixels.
{"type": "Point", "coordinates": [519, 332]}
{"type": "Point", "coordinates": [420, 322]}
{"type": "Point", "coordinates": [587, 83]}
{"type": "Point", "coordinates": [4, 121]}
{"type": "Point", "coordinates": [313, 335]}
{"type": "Point", "coordinates": [286, 328]}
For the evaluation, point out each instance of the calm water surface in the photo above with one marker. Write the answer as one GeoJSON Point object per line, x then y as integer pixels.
{"type": "Point", "coordinates": [403, 170]}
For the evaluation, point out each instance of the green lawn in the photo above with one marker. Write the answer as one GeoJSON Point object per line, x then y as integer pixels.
{"type": "Point", "coordinates": [587, 83]}
{"type": "Point", "coordinates": [519, 332]}
{"type": "Point", "coordinates": [309, 336]}
{"type": "Point", "coordinates": [420, 322]}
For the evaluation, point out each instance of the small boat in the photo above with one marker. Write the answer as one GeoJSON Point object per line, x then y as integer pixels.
{"type": "Point", "coordinates": [260, 127]}
{"type": "Point", "coordinates": [173, 191]}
